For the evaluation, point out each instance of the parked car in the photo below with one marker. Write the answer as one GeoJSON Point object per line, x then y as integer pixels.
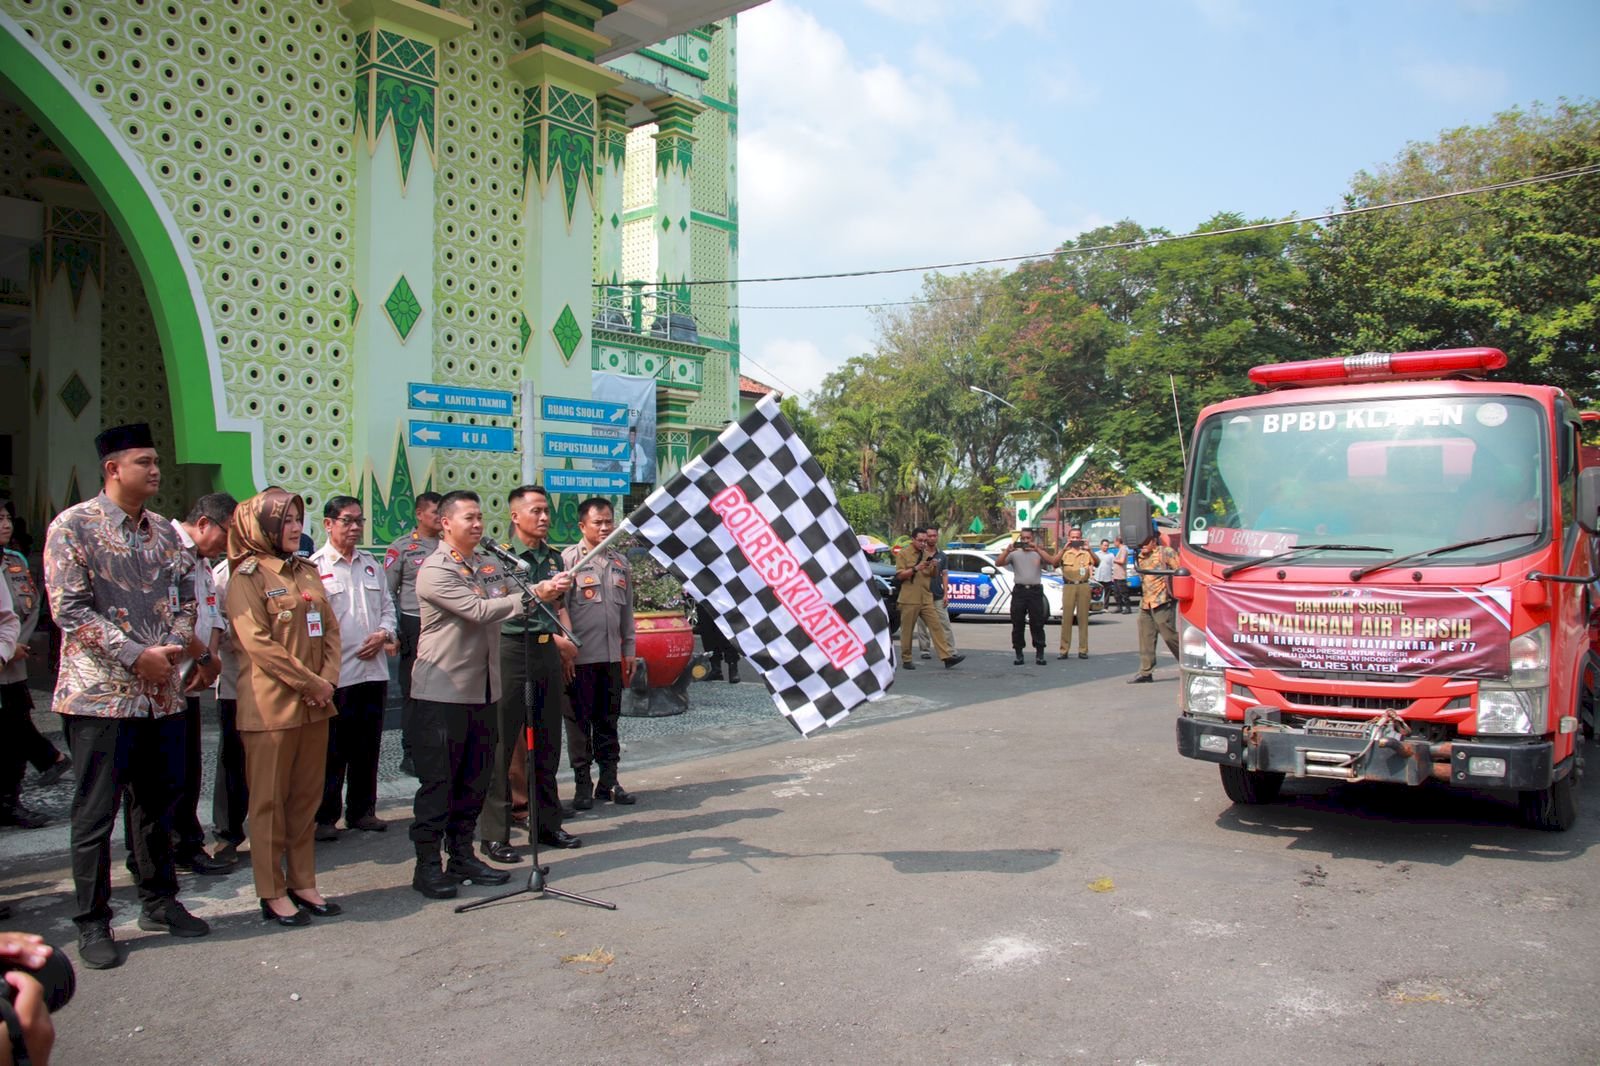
{"type": "Point", "coordinates": [979, 588]}
{"type": "Point", "coordinates": [887, 585]}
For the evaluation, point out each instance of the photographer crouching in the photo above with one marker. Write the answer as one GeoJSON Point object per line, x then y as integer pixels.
{"type": "Point", "coordinates": [38, 980]}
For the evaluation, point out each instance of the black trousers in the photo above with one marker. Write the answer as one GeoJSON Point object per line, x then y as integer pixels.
{"type": "Point", "coordinates": [719, 649]}
{"type": "Point", "coordinates": [410, 633]}
{"type": "Point", "coordinates": [186, 815]}
{"type": "Point", "coordinates": [594, 708]}
{"type": "Point", "coordinates": [139, 760]}
{"type": "Point", "coordinates": [230, 795]}
{"type": "Point", "coordinates": [1124, 594]}
{"type": "Point", "coordinates": [451, 745]}
{"type": "Point", "coordinates": [21, 742]}
{"type": "Point", "coordinates": [355, 739]}
{"type": "Point", "coordinates": [513, 717]}
{"type": "Point", "coordinates": [1027, 611]}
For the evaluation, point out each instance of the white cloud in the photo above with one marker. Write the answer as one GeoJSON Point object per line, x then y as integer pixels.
{"type": "Point", "coordinates": [790, 364]}
{"type": "Point", "coordinates": [848, 162]}
{"type": "Point", "coordinates": [1031, 13]}
{"type": "Point", "coordinates": [937, 63]}
{"type": "Point", "coordinates": [1222, 12]}
{"type": "Point", "coordinates": [1458, 83]}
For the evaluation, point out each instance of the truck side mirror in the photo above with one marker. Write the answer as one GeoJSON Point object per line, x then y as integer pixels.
{"type": "Point", "coordinates": [1136, 515]}
{"type": "Point", "coordinates": [1588, 502]}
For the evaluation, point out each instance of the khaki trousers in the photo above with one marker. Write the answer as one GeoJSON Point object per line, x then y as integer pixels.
{"type": "Point", "coordinates": [284, 769]}
{"type": "Point", "coordinates": [924, 643]}
{"type": "Point", "coordinates": [928, 613]}
{"type": "Point", "coordinates": [1075, 602]}
{"type": "Point", "coordinates": [1156, 621]}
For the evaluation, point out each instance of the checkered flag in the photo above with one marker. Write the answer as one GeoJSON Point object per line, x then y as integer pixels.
{"type": "Point", "coordinates": [753, 528]}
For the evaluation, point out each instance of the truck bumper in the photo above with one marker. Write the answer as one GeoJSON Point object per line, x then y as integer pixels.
{"type": "Point", "coordinates": [1273, 748]}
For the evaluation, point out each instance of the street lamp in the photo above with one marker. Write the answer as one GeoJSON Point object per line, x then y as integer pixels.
{"type": "Point", "coordinates": [1060, 449]}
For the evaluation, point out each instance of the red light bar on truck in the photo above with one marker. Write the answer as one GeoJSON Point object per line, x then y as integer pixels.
{"type": "Point", "coordinates": [1380, 366]}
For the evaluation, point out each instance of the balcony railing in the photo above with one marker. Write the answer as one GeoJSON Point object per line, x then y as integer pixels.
{"type": "Point", "coordinates": [657, 313]}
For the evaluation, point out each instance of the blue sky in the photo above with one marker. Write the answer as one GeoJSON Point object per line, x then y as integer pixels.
{"type": "Point", "coordinates": [887, 133]}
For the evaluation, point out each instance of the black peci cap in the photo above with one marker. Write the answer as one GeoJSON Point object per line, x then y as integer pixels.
{"type": "Point", "coordinates": [121, 438]}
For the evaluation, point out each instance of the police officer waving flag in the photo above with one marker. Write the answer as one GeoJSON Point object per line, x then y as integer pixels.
{"type": "Point", "coordinates": [753, 527]}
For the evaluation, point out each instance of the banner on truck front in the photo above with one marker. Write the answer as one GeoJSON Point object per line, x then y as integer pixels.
{"type": "Point", "coordinates": [1407, 632]}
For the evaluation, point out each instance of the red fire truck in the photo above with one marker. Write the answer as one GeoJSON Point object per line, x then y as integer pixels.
{"type": "Point", "coordinates": [1387, 572]}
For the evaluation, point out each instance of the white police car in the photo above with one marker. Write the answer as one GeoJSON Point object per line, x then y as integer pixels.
{"type": "Point", "coordinates": [978, 587]}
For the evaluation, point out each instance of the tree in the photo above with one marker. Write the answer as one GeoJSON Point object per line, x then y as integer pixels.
{"type": "Point", "coordinates": [1517, 269]}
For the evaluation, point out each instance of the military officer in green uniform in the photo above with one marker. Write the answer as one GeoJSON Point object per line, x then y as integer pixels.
{"type": "Point", "coordinates": [532, 649]}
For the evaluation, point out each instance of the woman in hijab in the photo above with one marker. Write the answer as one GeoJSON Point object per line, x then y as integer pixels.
{"type": "Point", "coordinates": [288, 639]}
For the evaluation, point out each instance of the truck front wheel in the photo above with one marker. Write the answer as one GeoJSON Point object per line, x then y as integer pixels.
{"type": "Point", "coordinates": [1250, 786]}
{"type": "Point", "coordinates": [1554, 809]}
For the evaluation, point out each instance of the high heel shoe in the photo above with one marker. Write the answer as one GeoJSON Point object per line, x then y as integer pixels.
{"type": "Point", "coordinates": [299, 917]}
{"type": "Point", "coordinates": [325, 909]}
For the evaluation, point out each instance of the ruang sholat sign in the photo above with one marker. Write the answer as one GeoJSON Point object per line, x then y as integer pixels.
{"type": "Point", "coordinates": [1410, 632]}
{"type": "Point", "coordinates": [778, 566]}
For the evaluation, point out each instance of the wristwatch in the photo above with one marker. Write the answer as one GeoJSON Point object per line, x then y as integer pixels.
{"type": "Point", "coordinates": [203, 659]}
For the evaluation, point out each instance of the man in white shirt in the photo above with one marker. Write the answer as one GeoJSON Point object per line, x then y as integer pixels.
{"type": "Point", "coordinates": [356, 589]}
{"type": "Point", "coordinates": [204, 535]}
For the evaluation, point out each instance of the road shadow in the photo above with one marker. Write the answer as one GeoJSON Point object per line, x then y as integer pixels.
{"type": "Point", "coordinates": [1396, 823]}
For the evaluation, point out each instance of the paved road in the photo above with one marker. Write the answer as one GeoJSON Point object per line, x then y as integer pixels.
{"type": "Point", "coordinates": [998, 865]}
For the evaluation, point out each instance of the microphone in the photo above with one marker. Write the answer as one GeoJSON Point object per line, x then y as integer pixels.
{"type": "Point", "coordinates": [503, 554]}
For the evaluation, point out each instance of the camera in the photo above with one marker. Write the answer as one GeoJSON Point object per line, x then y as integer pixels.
{"type": "Point", "coordinates": [55, 975]}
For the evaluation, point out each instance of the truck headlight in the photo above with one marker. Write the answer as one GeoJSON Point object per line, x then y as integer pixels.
{"type": "Point", "coordinates": [1191, 646]}
{"type": "Point", "coordinates": [1205, 694]}
{"type": "Point", "coordinates": [1530, 658]}
{"type": "Point", "coordinates": [1510, 711]}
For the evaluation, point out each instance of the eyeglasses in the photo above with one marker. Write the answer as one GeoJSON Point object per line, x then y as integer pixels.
{"type": "Point", "coordinates": [347, 520]}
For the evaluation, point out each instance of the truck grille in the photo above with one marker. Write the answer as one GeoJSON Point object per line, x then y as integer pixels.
{"type": "Point", "coordinates": [1352, 703]}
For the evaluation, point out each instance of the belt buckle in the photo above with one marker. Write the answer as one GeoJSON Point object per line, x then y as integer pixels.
{"type": "Point", "coordinates": [544, 638]}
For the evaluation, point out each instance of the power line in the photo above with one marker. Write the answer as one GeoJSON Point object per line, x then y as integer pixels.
{"type": "Point", "coordinates": [917, 301]}
{"type": "Point", "coordinates": [1144, 242]}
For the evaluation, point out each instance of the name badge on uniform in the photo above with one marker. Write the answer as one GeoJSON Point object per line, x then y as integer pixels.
{"type": "Point", "coordinates": [172, 598]}
{"type": "Point", "coordinates": [314, 623]}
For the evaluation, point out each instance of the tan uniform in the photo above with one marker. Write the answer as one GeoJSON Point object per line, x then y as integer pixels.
{"type": "Point", "coordinates": [1077, 575]}
{"type": "Point", "coordinates": [917, 602]}
{"type": "Point", "coordinates": [288, 637]}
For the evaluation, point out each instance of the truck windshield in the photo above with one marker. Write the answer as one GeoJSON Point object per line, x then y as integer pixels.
{"type": "Point", "coordinates": [1407, 475]}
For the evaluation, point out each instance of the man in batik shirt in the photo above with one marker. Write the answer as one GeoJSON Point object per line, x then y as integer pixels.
{"type": "Point", "coordinates": [119, 588]}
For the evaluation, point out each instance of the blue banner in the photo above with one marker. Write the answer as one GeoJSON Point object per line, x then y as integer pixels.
{"type": "Point", "coordinates": [424, 396]}
{"type": "Point", "coordinates": [472, 438]}
{"type": "Point", "coordinates": [592, 482]}
{"type": "Point", "coordinates": [572, 446]}
{"type": "Point", "coordinates": [594, 412]}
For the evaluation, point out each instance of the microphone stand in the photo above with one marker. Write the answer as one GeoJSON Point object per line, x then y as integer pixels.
{"type": "Point", "coordinates": [537, 884]}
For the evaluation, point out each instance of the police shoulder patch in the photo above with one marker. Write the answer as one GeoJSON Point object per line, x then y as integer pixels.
{"type": "Point", "coordinates": [248, 566]}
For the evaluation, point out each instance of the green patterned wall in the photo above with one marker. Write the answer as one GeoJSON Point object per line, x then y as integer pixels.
{"type": "Point", "coordinates": [241, 112]}
{"type": "Point", "coordinates": [477, 240]}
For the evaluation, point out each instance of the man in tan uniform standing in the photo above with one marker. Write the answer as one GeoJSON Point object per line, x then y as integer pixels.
{"type": "Point", "coordinates": [455, 684]}
{"type": "Point", "coordinates": [915, 566]}
{"type": "Point", "coordinates": [1077, 574]}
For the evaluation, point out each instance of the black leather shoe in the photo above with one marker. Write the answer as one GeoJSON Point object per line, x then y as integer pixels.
{"type": "Point", "coordinates": [616, 794]}
{"type": "Point", "coordinates": [325, 909]}
{"type": "Point", "coordinates": [583, 797]}
{"type": "Point", "coordinates": [22, 817]}
{"type": "Point", "coordinates": [953, 660]}
{"type": "Point", "coordinates": [1063, 655]}
{"type": "Point", "coordinates": [909, 665]}
{"type": "Point", "coordinates": [1018, 660]}
{"type": "Point", "coordinates": [1141, 679]}
{"type": "Point", "coordinates": [288, 921]}
{"type": "Point", "coordinates": [201, 863]}
{"type": "Point", "coordinates": [1081, 655]}
{"type": "Point", "coordinates": [170, 916]}
{"type": "Point", "coordinates": [1039, 658]}
{"type": "Point", "coordinates": [500, 851]}
{"type": "Point", "coordinates": [560, 839]}
{"type": "Point", "coordinates": [467, 867]}
{"type": "Point", "coordinates": [326, 831]}
{"type": "Point", "coordinates": [432, 882]}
